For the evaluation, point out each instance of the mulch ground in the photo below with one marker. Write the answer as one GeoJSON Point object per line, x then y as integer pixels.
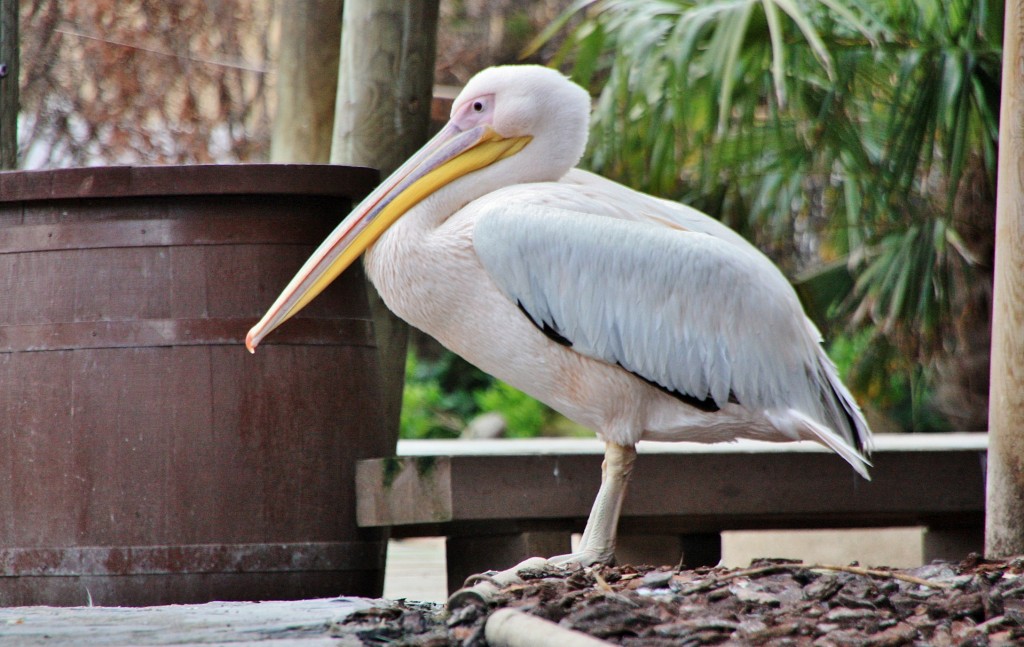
{"type": "Point", "coordinates": [976, 602]}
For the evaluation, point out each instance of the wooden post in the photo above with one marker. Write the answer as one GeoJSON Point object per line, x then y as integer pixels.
{"type": "Point", "coordinates": [385, 86]}
{"type": "Point", "coordinates": [1004, 515]}
{"type": "Point", "coordinates": [307, 81]}
{"type": "Point", "coordinates": [9, 66]}
{"type": "Point", "coordinates": [385, 81]}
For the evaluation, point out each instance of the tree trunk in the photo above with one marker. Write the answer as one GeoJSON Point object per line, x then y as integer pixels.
{"type": "Point", "coordinates": [1004, 522]}
{"type": "Point", "coordinates": [385, 84]}
{"type": "Point", "coordinates": [9, 66]}
{"type": "Point", "coordinates": [307, 81]}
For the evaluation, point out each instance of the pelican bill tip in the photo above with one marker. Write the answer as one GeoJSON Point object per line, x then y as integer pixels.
{"type": "Point", "coordinates": [251, 342]}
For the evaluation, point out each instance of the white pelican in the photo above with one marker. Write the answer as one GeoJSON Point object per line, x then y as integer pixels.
{"type": "Point", "coordinates": [637, 317]}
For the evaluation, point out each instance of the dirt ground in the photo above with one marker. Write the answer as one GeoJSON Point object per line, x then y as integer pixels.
{"type": "Point", "coordinates": [773, 602]}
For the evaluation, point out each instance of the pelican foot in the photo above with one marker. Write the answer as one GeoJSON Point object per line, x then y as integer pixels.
{"type": "Point", "coordinates": [481, 589]}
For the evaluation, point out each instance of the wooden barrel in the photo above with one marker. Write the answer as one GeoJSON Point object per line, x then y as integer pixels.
{"type": "Point", "coordinates": [145, 456]}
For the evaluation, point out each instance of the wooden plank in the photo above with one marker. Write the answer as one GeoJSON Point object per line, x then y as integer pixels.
{"type": "Point", "coordinates": [528, 446]}
{"type": "Point", "coordinates": [678, 487]}
{"type": "Point", "coordinates": [1004, 529]}
{"type": "Point", "coordinates": [399, 491]}
{"type": "Point", "coordinates": [298, 623]}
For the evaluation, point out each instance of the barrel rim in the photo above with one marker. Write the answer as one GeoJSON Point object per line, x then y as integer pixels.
{"type": "Point", "coordinates": [330, 180]}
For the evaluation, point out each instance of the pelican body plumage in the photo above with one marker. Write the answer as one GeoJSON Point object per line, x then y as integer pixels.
{"type": "Point", "coordinates": [637, 317]}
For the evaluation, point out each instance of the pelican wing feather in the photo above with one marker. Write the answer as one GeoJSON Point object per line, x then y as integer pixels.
{"type": "Point", "coordinates": [685, 310]}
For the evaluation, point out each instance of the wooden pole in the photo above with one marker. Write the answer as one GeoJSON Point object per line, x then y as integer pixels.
{"type": "Point", "coordinates": [307, 81]}
{"type": "Point", "coordinates": [1004, 518]}
{"type": "Point", "coordinates": [9, 66]}
{"type": "Point", "coordinates": [386, 81]}
{"type": "Point", "coordinates": [382, 116]}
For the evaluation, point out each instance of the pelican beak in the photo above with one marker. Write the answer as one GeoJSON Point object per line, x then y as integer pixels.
{"type": "Point", "coordinates": [452, 153]}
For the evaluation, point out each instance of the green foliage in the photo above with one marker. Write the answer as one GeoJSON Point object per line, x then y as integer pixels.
{"type": "Point", "coordinates": [922, 253]}
{"type": "Point", "coordinates": [525, 416]}
{"type": "Point", "coordinates": [429, 410]}
{"type": "Point", "coordinates": [900, 390]}
{"type": "Point", "coordinates": [442, 396]}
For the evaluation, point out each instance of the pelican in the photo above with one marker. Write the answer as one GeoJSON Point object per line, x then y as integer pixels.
{"type": "Point", "coordinates": [637, 317]}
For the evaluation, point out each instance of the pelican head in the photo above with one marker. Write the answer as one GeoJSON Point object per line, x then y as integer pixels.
{"type": "Point", "coordinates": [509, 125]}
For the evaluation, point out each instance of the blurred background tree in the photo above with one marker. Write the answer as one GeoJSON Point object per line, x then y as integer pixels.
{"type": "Point", "coordinates": [144, 82]}
{"type": "Point", "coordinates": [192, 81]}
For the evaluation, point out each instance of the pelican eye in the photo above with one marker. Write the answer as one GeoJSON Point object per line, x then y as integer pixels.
{"type": "Point", "coordinates": [474, 112]}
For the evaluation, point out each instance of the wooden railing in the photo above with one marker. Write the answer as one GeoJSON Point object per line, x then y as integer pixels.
{"type": "Point", "coordinates": [498, 502]}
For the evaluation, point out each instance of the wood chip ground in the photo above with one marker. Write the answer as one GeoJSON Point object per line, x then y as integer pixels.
{"type": "Point", "coordinates": [976, 602]}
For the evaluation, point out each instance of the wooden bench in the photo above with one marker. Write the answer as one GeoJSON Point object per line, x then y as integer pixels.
{"type": "Point", "coordinates": [498, 502]}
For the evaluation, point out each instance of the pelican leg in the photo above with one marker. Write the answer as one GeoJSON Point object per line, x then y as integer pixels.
{"type": "Point", "coordinates": [598, 542]}
{"type": "Point", "coordinates": [596, 546]}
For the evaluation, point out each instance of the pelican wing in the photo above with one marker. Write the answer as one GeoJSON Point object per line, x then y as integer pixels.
{"type": "Point", "coordinates": [685, 310]}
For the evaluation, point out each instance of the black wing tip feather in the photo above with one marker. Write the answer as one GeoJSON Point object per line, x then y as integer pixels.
{"type": "Point", "coordinates": [706, 404]}
{"type": "Point", "coordinates": [549, 331]}
{"type": "Point", "coordinates": [853, 422]}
